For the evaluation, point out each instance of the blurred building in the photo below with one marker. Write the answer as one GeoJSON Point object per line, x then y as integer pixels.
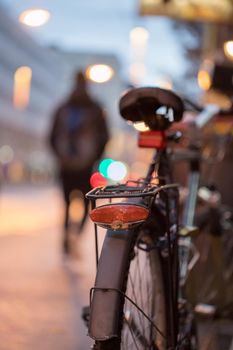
{"type": "Point", "coordinates": [34, 79]}
{"type": "Point", "coordinates": [28, 91]}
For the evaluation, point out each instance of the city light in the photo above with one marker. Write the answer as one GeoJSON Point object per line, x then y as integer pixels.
{"type": "Point", "coordinates": [117, 171]}
{"type": "Point", "coordinates": [138, 45]}
{"type": "Point", "coordinates": [113, 170]}
{"type": "Point", "coordinates": [217, 11]}
{"type": "Point", "coordinates": [99, 73]}
{"type": "Point", "coordinates": [76, 209]}
{"type": "Point", "coordinates": [97, 180]}
{"type": "Point", "coordinates": [22, 86]}
{"type": "Point", "coordinates": [228, 49]}
{"type": "Point", "coordinates": [165, 83]}
{"type": "Point", "coordinates": [15, 171]}
{"type": "Point", "coordinates": [34, 17]}
{"type": "Point", "coordinates": [141, 126]}
{"type": "Point", "coordinates": [137, 72]}
{"type": "Point", "coordinates": [204, 80]}
{"type": "Point", "coordinates": [103, 167]}
{"type": "Point", "coordinates": [139, 36]}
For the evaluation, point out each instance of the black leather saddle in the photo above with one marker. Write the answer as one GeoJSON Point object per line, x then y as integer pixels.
{"type": "Point", "coordinates": [157, 107]}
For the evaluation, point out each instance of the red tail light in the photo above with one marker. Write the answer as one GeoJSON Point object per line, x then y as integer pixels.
{"type": "Point", "coordinates": [152, 139]}
{"type": "Point", "coordinates": [119, 216]}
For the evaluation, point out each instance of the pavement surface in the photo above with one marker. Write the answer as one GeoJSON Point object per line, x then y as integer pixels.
{"type": "Point", "coordinates": [41, 292]}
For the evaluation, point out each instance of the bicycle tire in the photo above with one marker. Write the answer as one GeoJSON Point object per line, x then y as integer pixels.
{"type": "Point", "coordinates": [136, 332]}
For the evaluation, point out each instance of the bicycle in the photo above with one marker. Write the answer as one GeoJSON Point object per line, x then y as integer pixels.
{"type": "Point", "coordinates": [138, 300]}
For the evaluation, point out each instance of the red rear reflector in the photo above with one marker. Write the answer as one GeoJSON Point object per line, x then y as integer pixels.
{"type": "Point", "coordinates": [119, 216]}
{"type": "Point", "coordinates": [152, 139]}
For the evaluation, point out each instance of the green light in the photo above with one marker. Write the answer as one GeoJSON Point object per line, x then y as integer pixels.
{"type": "Point", "coordinates": [103, 167]}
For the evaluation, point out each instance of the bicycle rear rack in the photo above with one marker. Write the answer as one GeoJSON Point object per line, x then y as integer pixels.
{"type": "Point", "coordinates": [121, 215]}
{"type": "Point", "coordinates": [138, 189]}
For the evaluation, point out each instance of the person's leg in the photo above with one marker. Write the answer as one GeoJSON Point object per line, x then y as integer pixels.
{"type": "Point", "coordinates": [66, 216]}
{"type": "Point", "coordinates": [84, 187]}
{"type": "Point", "coordinates": [85, 213]}
{"type": "Point", "coordinates": [65, 242]}
{"type": "Point", "coordinates": [66, 195]}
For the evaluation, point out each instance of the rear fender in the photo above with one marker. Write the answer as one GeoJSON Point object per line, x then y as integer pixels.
{"type": "Point", "coordinates": [105, 304]}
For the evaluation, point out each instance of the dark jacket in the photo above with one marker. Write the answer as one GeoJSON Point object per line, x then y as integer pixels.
{"type": "Point", "coordinates": [90, 138]}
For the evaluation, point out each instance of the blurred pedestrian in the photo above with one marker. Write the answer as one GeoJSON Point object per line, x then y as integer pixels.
{"type": "Point", "coordinates": [78, 137]}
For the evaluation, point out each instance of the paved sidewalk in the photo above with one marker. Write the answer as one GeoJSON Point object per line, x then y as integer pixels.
{"type": "Point", "coordinates": [41, 294]}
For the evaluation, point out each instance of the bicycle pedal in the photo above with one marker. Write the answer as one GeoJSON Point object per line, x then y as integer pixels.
{"type": "Point", "coordinates": [188, 231]}
{"type": "Point", "coordinates": [86, 315]}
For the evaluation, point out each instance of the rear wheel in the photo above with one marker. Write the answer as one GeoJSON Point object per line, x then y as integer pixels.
{"type": "Point", "coordinates": [145, 328]}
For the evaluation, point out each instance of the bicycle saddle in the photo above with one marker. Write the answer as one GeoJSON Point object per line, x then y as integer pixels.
{"type": "Point", "coordinates": [145, 104]}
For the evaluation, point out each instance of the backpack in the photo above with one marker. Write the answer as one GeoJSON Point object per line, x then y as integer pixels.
{"type": "Point", "coordinates": [77, 140]}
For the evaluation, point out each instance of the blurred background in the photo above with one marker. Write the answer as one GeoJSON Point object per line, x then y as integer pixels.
{"type": "Point", "coordinates": [186, 46]}
{"type": "Point", "coordinates": [183, 45]}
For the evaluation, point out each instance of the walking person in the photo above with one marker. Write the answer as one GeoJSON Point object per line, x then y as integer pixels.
{"type": "Point", "coordinates": [78, 137]}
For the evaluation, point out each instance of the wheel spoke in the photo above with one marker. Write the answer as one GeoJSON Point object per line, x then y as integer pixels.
{"type": "Point", "coordinates": [143, 284]}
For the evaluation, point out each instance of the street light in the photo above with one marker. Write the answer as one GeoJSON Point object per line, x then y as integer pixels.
{"type": "Point", "coordinates": [22, 87]}
{"type": "Point", "coordinates": [204, 77]}
{"type": "Point", "coordinates": [99, 73]}
{"type": "Point", "coordinates": [228, 49]}
{"type": "Point", "coordinates": [139, 36]}
{"type": "Point", "coordinates": [204, 80]}
{"type": "Point", "coordinates": [34, 17]}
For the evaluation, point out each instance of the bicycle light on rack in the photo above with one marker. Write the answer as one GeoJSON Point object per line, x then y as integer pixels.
{"type": "Point", "coordinates": [119, 216]}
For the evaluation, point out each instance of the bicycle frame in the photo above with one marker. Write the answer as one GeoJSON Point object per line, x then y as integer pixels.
{"type": "Point", "coordinates": [185, 243]}
{"type": "Point", "coordinates": [107, 292]}
{"type": "Point", "coordinates": [194, 161]}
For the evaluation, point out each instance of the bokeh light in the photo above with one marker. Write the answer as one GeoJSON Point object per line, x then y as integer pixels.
{"type": "Point", "coordinates": [204, 80]}
{"type": "Point", "coordinates": [228, 49]}
{"type": "Point", "coordinates": [99, 73]}
{"type": "Point", "coordinates": [164, 82]}
{"type": "Point", "coordinates": [22, 87]}
{"type": "Point", "coordinates": [76, 209]}
{"type": "Point", "coordinates": [141, 126]}
{"type": "Point", "coordinates": [6, 154]}
{"type": "Point", "coordinates": [34, 17]}
{"type": "Point", "coordinates": [97, 180]}
{"type": "Point", "coordinates": [103, 167]}
{"type": "Point", "coordinates": [117, 171]}
{"type": "Point", "coordinates": [15, 172]}
{"type": "Point", "coordinates": [137, 72]}
{"type": "Point", "coordinates": [139, 36]}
